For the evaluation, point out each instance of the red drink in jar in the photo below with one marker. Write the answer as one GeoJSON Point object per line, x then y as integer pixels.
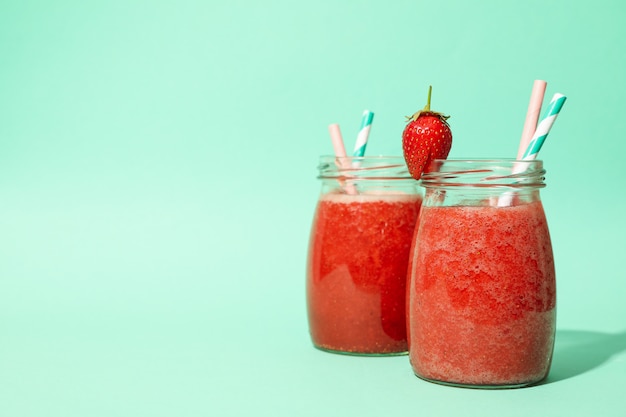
{"type": "Point", "coordinates": [358, 255]}
{"type": "Point", "coordinates": [482, 292]}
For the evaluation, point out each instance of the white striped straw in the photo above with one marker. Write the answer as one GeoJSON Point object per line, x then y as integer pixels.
{"type": "Point", "coordinates": [544, 126]}
{"type": "Point", "coordinates": [361, 139]}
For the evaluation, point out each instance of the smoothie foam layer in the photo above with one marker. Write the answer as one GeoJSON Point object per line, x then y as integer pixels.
{"type": "Point", "coordinates": [371, 196]}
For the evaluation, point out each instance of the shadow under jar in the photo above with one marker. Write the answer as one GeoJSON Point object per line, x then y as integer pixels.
{"type": "Point", "coordinates": [358, 255]}
{"type": "Point", "coordinates": [482, 289]}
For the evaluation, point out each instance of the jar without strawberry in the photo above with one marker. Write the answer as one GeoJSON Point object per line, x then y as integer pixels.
{"type": "Point", "coordinates": [358, 254]}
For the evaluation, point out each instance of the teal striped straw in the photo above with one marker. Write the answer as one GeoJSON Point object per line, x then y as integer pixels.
{"type": "Point", "coordinates": [544, 126]}
{"type": "Point", "coordinates": [364, 131]}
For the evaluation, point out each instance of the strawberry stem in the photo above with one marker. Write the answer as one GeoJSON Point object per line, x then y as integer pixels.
{"type": "Point", "coordinates": [430, 90]}
{"type": "Point", "coordinates": [426, 110]}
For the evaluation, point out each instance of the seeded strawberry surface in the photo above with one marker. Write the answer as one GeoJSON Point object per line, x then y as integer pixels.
{"type": "Point", "coordinates": [427, 136]}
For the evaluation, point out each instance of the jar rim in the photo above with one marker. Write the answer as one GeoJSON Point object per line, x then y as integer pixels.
{"type": "Point", "coordinates": [365, 157]}
{"type": "Point", "coordinates": [485, 160]}
{"type": "Point", "coordinates": [377, 167]}
{"type": "Point", "coordinates": [492, 172]}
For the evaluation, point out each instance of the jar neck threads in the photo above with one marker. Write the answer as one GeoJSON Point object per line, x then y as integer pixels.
{"type": "Point", "coordinates": [482, 183]}
{"type": "Point", "coordinates": [493, 173]}
{"type": "Point", "coordinates": [363, 168]}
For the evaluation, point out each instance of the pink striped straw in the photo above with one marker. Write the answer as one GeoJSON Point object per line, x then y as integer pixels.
{"type": "Point", "coordinates": [532, 116]}
{"type": "Point", "coordinates": [340, 151]}
{"type": "Point", "coordinates": [337, 139]}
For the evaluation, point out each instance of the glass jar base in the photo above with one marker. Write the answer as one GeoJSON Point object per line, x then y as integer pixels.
{"type": "Point", "coordinates": [480, 386]}
{"type": "Point", "coordinates": [357, 353]}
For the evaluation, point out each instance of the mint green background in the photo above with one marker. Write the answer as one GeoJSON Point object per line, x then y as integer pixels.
{"type": "Point", "coordinates": [157, 182]}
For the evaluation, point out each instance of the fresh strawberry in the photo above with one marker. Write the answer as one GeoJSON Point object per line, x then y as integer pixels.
{"type": "Point", "coordinates": [426, 137]}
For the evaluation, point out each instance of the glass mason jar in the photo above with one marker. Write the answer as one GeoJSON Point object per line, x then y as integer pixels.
{"type": "Point", "coordinates": [358, 255]}
{"type": "Point", "coordinates": [482, 291]}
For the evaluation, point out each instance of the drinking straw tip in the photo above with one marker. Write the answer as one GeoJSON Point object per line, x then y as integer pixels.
{"type": "Point", "coordinates": [557, 102]}
{"type": "Point", "coordinates": [532, 116]}
{"type": "Point", "coordinates": [337, 140]}
{"type": "Point", "coordinates": [361, 140]}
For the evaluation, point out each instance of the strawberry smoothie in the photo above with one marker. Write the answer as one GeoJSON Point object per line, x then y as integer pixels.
{"type": "Point", "coordinates": [356, 273]}
{"type": "Point", "coordinates": [482, 295]}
